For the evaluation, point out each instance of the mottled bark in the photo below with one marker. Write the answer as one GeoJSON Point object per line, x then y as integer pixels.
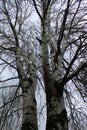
{"type": "Point", "coordinates": [56, 112]}
{"type": "Point", "coordinates": [29, 106]}
{"type": "Point", "coordinates": [28, 84]}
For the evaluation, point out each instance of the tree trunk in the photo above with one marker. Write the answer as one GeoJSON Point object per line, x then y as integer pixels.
{"type": "Point", "coordinates": [29, 116]}
{"type": "Point", "coordinates": [56, 112]}
{"type": "Point", "coordinates": [29, 106]}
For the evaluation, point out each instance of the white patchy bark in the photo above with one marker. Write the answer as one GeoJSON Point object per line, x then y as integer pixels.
{"type": "Point", "coordinates": [56, 113]}
{"type": "Point", "coordinates": [19, 63]}
{"type": "Point", "coordinates": [28, 84]}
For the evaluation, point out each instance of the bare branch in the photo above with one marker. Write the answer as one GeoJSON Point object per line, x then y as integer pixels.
{"type": "Point", "coordinates": [75, 73]}
{"type": "Point", "coordinates": [35, 5]}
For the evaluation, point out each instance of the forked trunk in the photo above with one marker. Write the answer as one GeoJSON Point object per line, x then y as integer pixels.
{"type": "Point", "coordinates": [52, 75]}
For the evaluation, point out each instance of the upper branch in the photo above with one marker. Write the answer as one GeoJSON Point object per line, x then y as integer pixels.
{"type": "Point", "coordinates": [10, 23]}
{"type": "Point", "coordinates": [47, 7]}
{"type": "Point", "coordinates": [72, 61]}
{"type": "Point", "coordinates": [75, 73]}
{"type": "Point", "coordinates": [62, 29]}
{"type": "Point", "coordinates": [35, 5]}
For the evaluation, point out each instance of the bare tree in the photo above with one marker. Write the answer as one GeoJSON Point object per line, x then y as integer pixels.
{"type": "Point", "coordinates": [16, 53]}
{"type": "Point", "coordinates": [48, 53]}
{"type": "Point", "coordinates": [63, 39]}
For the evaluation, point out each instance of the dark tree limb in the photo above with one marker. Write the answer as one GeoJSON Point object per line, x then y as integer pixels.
{"type": "Point", "coordinates": [75, 73]}
{"type": "Point", "coordinates": [35, 5]}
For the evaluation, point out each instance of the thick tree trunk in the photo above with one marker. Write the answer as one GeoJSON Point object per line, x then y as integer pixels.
{"type": "Point", "coordinates": [29, 107]}
{"type": "Point", "coordinates": [29, 115]}
{"type": "Point", "coordinates": [56, 112]}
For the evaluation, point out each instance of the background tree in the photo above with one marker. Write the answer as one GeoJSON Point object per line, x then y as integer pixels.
{"type": "Point", "coordinates": [16, 53]}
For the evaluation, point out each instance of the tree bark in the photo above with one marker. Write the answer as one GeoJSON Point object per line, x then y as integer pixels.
{"type": "Point", "coordinates": [56, 112]}
{"type": "Point", "coordinates": [29, 115]}
{"type": "Point", "coordinates": [29, 106]}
